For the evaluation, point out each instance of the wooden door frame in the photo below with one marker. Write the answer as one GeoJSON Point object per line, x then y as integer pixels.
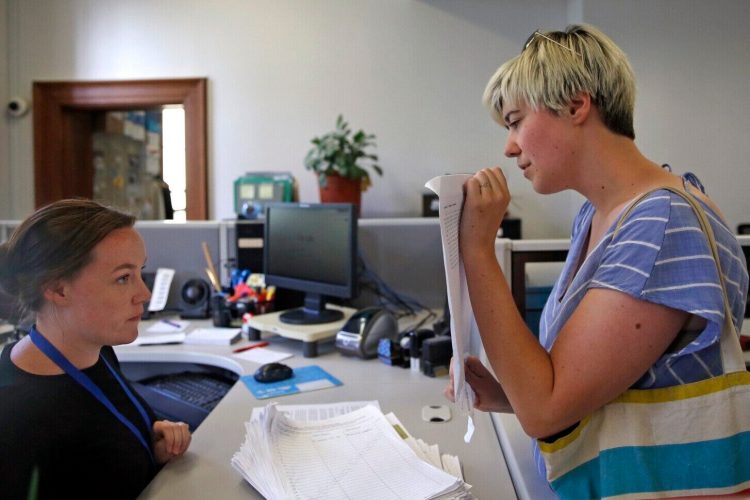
{"type": "Point", "coordinates": [57, 102]}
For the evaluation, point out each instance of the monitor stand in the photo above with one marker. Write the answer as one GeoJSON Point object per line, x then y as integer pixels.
{"type": "Point", "coordinates": [313, 312]}
{"type": "Point", "coordinates": [309, 334]}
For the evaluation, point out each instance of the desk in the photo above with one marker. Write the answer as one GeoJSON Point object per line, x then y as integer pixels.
{"type": "Point", "coordinates": [206, 472]}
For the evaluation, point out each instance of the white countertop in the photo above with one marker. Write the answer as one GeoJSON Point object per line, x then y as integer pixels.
{"type": "Point", "coordinates": [205, 471]}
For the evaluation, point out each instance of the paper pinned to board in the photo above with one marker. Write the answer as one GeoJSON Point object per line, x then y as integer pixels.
{"type": "Point", "coordinates": [450, 191]}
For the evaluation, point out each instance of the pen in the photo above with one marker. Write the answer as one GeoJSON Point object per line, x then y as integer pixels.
{"type": "Point", "coordinates": [214, 280]}
{"type": "Point", "coordinates": [171, 323]}
{"type": "Point", "coordinates": [210, 263]}
{"type": "Point", "coordinates": [259, 344]}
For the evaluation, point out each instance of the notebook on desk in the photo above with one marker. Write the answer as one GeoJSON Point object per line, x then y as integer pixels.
{"type": "Point", "coordinates": [213, 336]}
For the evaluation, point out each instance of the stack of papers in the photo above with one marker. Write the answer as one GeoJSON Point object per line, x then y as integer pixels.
{"type": "Point", "coordinates": [357, 454]}
{"type": "Point", "coordinates": [308, 413]}
{"type": "Point", "coordinates": [213, 336]}
{"type": "Point", "coordinates": [262, 355]}
{"type": "Point", "coordinates": [163, 332]}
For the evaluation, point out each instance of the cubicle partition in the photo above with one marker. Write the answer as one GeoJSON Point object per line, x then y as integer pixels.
{"type": "Point", "coordinates": [407, 254]}
{"type": "Point", "coordinates": [179, 246]}
{"type": "Point", "coordinates": [404, 252]}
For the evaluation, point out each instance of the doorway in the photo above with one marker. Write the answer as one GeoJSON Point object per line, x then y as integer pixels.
{"type": "Point", "coordinates": [67, 115]}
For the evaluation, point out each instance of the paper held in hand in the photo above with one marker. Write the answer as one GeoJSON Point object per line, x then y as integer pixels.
{"type": "Point", "coordinates": [450, 191]}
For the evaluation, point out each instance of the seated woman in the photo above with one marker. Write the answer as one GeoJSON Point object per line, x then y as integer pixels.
{"type": "Point", "coordinates": [71, 426]}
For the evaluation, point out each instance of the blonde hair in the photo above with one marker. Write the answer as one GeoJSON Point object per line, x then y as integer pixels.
{"type": "Point", "coordinates": [555, 66]}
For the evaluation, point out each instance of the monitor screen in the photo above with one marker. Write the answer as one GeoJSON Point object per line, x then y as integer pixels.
{"type": "Point", "coordinates": [311, 248]}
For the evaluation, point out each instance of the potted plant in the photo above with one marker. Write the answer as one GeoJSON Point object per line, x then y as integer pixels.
{"type": "Point", "coordinates": [341, 161]}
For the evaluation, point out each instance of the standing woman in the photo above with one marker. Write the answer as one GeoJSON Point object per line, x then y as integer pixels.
{"type": "Point", "coordinates": [635, 367]}
{"type": "Point", "coordinates": [71, 426]}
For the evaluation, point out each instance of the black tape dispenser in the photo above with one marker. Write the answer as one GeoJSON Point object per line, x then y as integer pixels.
{"type": "Point", "coordinates": [362, 332]}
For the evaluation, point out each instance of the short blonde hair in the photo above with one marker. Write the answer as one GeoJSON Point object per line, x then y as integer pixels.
{"type": "Point", "coordinates": [555, 66]}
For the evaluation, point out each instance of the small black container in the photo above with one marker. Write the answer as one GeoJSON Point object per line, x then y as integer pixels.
{"type": "Point", "coordinates": [220, 311]}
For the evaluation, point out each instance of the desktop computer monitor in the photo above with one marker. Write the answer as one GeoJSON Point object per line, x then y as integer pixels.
{"type": "Point", "coordinates": [311, 248]}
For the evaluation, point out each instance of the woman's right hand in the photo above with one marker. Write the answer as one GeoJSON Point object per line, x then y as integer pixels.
{"type": "Point", "coordinates": [486, 201]}
{"type": "Point", "coordinates": [489, 395]}
{"type": "Point", "coordinates": [171, 440]}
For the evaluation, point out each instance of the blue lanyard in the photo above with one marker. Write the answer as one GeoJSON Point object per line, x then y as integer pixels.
{"type": "Point", "coordinates": [84, 381]}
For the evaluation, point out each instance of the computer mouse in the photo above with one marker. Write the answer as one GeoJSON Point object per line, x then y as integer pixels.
{"type": "Point", "coordinates": [273, 372]}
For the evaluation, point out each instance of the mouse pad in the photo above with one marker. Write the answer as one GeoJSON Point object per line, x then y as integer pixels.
{"type": "Point", "coordinates": [305, 378]}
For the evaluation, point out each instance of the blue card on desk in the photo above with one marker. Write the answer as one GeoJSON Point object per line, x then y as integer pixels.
{"type": "Point", "coordinates": [305, 378]}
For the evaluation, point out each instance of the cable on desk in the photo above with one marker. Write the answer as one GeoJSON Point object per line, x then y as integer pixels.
{"type": "Point", "coordinates": [399, 304]}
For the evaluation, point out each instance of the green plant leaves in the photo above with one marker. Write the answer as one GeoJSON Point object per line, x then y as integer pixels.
{"type": "Point", "coordinates": [341, 153]}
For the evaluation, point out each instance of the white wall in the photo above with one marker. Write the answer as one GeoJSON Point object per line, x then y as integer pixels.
{"type": "Point", "coordinates": [5, 179]}
{"type": "Point", "coordinates": [410, 71]}
{"type": "Point", "coordinates": [692, 63]}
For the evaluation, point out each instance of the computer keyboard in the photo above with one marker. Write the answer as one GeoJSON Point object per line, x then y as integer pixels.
{"type": "Point", "coordinates": [203, 390]}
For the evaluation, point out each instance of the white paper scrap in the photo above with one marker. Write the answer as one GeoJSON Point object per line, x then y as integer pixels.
{"type": "Point", "coordinates": [262, 355]}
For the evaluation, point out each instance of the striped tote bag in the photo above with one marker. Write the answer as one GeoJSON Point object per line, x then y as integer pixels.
{"type": "Point", "coordinates": [688, 440]}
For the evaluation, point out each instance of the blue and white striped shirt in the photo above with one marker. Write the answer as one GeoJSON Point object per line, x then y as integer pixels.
{"type": "Point", "coordinates": [659, 255]}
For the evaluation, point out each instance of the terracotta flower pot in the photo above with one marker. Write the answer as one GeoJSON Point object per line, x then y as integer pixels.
{"type": "Point", "coordinates": [341, 190]}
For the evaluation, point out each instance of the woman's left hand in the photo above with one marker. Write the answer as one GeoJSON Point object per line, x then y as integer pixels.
{"type": "Point", "coordinates": [488, 394]}
{"type": "Point", "coordinates": [171, 440]}
{"type": "Point", "coordinates": [487, 199]}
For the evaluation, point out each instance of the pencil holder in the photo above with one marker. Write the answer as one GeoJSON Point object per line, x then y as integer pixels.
{"type": "Point", "coordinates": [222, 315]}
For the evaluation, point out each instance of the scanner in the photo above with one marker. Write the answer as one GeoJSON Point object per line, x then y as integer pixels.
{"type": "Point", "coordinates": [361, 333]}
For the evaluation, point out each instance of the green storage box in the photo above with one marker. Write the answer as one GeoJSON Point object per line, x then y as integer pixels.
{"type": "Point", "coordinates": [254, 189]}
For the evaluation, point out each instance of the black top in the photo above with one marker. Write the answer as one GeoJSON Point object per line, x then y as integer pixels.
{"type": "Point", "coordinates": [78, 448]}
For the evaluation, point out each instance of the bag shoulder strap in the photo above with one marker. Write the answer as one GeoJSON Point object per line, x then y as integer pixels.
{"type": "Point", "coordinates": [731, 353]}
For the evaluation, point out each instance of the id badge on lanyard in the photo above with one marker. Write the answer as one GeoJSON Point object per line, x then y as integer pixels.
{"type": "Point", "coordinates": [84, 381]}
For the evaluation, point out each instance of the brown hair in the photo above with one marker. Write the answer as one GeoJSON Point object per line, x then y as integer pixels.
{"type": "Point", "coordinates": [54, 243]}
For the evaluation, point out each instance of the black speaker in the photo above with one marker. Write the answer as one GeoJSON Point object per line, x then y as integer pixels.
{"type": "Point", "coordinates": [195, 298]}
